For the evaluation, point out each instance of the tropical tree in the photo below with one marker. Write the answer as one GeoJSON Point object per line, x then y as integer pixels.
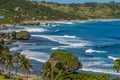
{"type": "Point", "coordinates": [47, 71]}
{"type": "Point", "coordinates": [1, 54]}
{"type": "Point", "coordinates": [59, 63]}
{"type": "Point", "coordinates": [117, 65]}
{"type": "Point", "coordinates": [4, 51]}
{"type": "Point", "coordinates": [25, 65]}
{"type": "Point", "coordinates": [9, 63]}
{"type": "Point", "coordinates": [17, 61]}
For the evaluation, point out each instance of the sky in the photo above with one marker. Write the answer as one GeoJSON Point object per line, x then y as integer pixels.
{"type": "Point", "coordinates": [78, 1]}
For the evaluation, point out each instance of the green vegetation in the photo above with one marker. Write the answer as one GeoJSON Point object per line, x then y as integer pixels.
{"type": "Point", "coordinates": [117, 65]}
{"type": "Point", "coordinates": [59, 63]}
{"type": "Point", "coordinates": [12, 61]}
{"type": "Point", "coordinates": [63, 65]}
{"type": "Point", "coordinates": [16, 11]}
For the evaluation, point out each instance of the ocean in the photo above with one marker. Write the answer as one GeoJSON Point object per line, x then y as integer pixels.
{"type": "Point", "coordinates": [95, 43]}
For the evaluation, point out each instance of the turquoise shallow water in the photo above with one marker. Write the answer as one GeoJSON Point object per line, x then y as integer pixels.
{"type": "Point", "coordinates": [96, 43]}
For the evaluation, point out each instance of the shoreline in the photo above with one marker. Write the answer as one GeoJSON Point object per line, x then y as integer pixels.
{"type": "Point", "coordinates": [21, 75]}
{"type": "Point", "coordinates": [56, 21]}
{"type": "Point", "coordinates": [73, 20]}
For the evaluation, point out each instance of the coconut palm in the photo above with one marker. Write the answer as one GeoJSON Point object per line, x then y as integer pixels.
{"type": "Point", "coordinates": [3, 54]}
{"type": "Point", "coordinates": [47, 71]}
{"type": "Point", "coordinates": [117, 65]}
{"type": "Point", "coordinates": [17, 61]}
{"type": "Point", "coordinates": [1, 47]}
{"type": "Point", "coordinates": [25, 65]}
{"type": "Point", "coordinates": [9, 63]}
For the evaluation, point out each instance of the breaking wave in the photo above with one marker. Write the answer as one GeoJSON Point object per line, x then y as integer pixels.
{"type": "Point", "coordinates": [113, 58]}
{"type": "Point", "coordinates": [38, 56]}
{"type": "Point", "coordinates": [109, 71]}
{"type": "Point", "coordinates": [69, 41]}
{"type": "Point", "coordinates": [94, 51]}
{"type": "Point", "coordinates": [36, 29]}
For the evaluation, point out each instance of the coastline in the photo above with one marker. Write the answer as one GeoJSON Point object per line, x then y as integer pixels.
{"type": "Point", "coordinates": [90, 20]}
{"type": "Point", "coordinates": [73, 20]}
{"type": "Point", "coordinates": [22, 76]}
{"type": "Point", "coordinates": [56, 21]}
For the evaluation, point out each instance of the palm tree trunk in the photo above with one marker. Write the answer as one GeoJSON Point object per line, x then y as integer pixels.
{"type": "Point", "coordinates": [9, 72]}
{"type": "Point", "coordinates": [27, 75]}
{"type": "Point", "coordinates": [16, 68]}
{"type": "Point", "coordinates": [2, 67]}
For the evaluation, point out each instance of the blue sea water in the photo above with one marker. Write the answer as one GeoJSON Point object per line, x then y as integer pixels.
{"type": "Point", "coordinates": [95, 43]}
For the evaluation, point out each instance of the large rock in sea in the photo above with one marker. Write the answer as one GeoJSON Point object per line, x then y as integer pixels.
{"type": "Point", "coordinates": [63, 60]}
{"type": "Point", "coordinates": [23, 35]}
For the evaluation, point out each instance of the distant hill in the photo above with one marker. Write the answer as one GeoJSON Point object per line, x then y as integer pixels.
{"type": "Point", "coordinates": [20, 10]}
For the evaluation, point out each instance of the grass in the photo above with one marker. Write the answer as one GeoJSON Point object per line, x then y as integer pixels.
{"type": "Point", "coordinates": [2, 78]}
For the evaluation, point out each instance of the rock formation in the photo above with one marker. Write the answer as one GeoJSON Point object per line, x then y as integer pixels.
{"type": "Point", "coordinates": [10, 37]}
{"type": "Point", "coordinates": [23, 35]}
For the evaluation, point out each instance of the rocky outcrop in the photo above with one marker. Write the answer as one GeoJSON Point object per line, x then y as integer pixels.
{"type": "Point", "coordinates": [60, 63]}
{"type": "Point", "coordinates": [63, 60]}
{"type": "Point", "coordinates": [23, 35]}
{"type": "Point", "coordinates": [13, 36]}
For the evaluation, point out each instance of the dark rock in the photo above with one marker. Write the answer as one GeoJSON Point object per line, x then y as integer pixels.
{"type": "Point", "coordinates": [2, 41]}
{"type": "Point", "coordinates": [13, 34]}
{"type": "Point", "coordinates": [23, 35]}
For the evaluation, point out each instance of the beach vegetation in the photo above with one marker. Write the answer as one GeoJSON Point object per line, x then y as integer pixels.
{"type": "Point", "coordinates": [63, 65]}
{"type": "Point", "coordinates": [117, 65]}
{"type": "Point", "coordinates": [60, 62]}
{"type": "Point", "coordinates": [10, 61]}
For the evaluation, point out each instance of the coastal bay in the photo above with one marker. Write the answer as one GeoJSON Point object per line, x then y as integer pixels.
{"type": "Point", "coordinates": [71, 37]}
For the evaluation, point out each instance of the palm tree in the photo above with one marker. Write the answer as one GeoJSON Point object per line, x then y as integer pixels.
{"type": "Point", "coordinates": [4, 51]}
{"type": "Point", "coordinates": [1, 54]}
{"type": "Point", "coordinates": [17, 61]}
{"type": "Point", "coordinates": [25, 65]}
{"type": "Point", "coordinates": [117, 65]}
{"type": "Point", "coordinates": [1, 47]}
{"type": "Point", "coordinates": [47, 71]}
{"type": "Point", "coordinates": [9, 63]}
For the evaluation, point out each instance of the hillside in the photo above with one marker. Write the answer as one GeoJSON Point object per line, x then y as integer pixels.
{"type": "Point", "coordinates": [90, 10]}
{"type": "Point", "coordinates": [16, 11]}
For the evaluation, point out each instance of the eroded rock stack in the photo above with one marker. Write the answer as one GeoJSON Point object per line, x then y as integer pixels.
{"type": "Point", "coordinates": [10, 37]}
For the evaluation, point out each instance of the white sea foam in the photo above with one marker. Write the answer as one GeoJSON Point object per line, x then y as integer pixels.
{"type": "Point", "coordinates": [36, 29]}
{"type": "Point", "coordinates": [109, 71]}
{"type": "Point", "coordinates": [96, 63]}
{"type": "Point", "coordinates": [56, 30]}
{"type": "Point", "coordinates": [69, 41]}
{"type": "Point", "coordinates": [61, 47]}
{"type": "Point", "coordinates": [92, 58]}
{"type": "Point", "coordinates": [111, 57]}
{"type": "Point", "coordinates": [14, 49]}
{"type": "Point", "coordinates": [94, 51]}
{"type": "Point", "coordinates": [69, 36]}
{"type": "Point", "coordinates": [26, 46]}
{"type": "Point", "coordinates": [38, 56]}
{"type": "Point", "coordinates": [61, 22]}
{"type": "Point", "coordinates": [54, 48]}
{"type": "Point", "coordinates": [9, 30]}
{"type": "Point", "coordinates": [21, 43]}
